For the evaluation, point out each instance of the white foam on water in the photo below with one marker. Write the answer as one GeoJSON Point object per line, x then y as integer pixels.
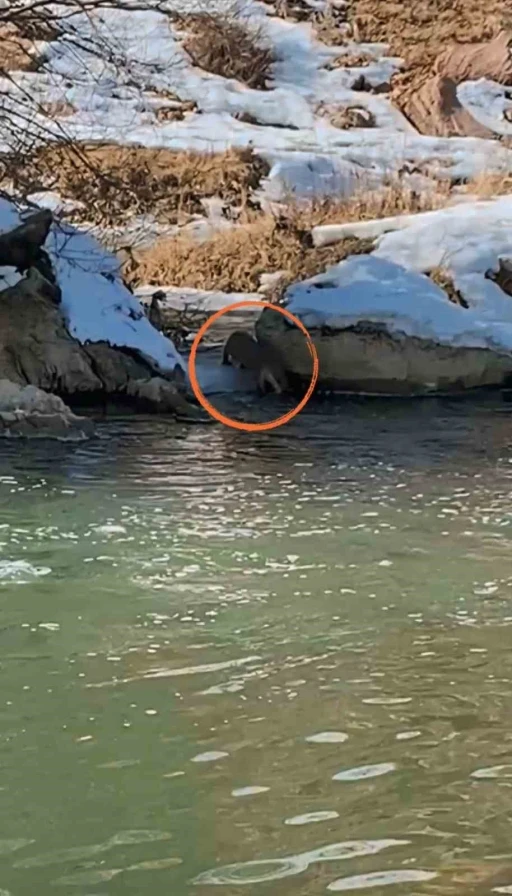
{"type": "Point", "coordinates": [312, 817]}
{"type": "Point", "coordinates": [349, 849]}
{"type": "Point", "coordinates": [381, 879]}
{"type": "Point", "coordinates": [20, 572]}
{"type": "Point", "coordinates": [365, 771]}
{"type": "Point", "coordinates": [256, 872]}
{"type": "Point", "coordinates": [494, 771]}
{"type": "Point", "coordinates": [328, 737]}
{"type": "Point", "coordinates": [212, 756]}
{"type": "Point", "coordinates": [249, 791]}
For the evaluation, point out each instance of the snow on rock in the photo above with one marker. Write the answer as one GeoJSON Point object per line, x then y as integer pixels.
{"type": "Point", "coordinates": [367, 288]}
{"type": "Point", "coordinates": [388, 287]}
{"type": "Point", "coordinates": [96, 304]}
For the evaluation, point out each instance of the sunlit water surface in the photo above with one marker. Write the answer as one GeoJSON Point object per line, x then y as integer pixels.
{"type": "Point", "coordinates": [274, 663]}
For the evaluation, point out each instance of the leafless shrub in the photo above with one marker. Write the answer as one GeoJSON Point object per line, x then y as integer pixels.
{"type": "Point", "coordinates": [229, 46]}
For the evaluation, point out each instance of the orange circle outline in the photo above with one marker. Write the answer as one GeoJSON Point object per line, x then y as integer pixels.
{"type": "Point", "coordinates": [228, 421]}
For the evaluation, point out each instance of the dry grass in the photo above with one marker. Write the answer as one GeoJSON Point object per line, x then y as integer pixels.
{"type": "Point", "coordinates": [330, 28]}
{"type": "Point", "coordinates": [366, 204]}
{"type": "Point", "coordinates": [174, 112]}
{"type": "Point", "coordinates": [234, 260]}
{"type": "Point", "coordinates": [488, 185]}
{"type": "Point", "coordinates": [419, 31]}
{"type": "Point", "coordinates": [57, 109]}
{"type": "Point", "coordinates": [116, 182]}
{"type": "Point", "coordinates": [226, 45]}
{"type": "Point", "coordinates": [443, 279]}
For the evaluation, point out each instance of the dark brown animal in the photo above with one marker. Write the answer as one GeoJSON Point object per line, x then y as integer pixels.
{"type": "Point", "coordinates": [155, 312]}
{"type": "Point", "coordinates": [241, 348]}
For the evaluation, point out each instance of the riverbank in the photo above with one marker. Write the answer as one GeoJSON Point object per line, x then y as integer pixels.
{"type": "Point", "coordinates": [336, 182]}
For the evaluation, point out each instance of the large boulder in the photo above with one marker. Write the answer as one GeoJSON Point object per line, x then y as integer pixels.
{"type": "Point", "coordinates": [374, 326]}
{"type": "Point", "coordinates": [367, 358]}
{"type": "Point", "coordinates": [38, 346]}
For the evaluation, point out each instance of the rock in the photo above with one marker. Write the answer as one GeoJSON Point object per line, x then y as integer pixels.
{"type": "Point", "coordinates": [155, 312]}
{"type": "Point", "coordinates": [29, 412]}
{"type": "Point", "coordinates": [21, 247]}
{"type": "Point", "coordinates": [503, 276]}
{"type": "Point", "coordinates": [36, 348]}
{"type": "Point", "coordinates": [434, 108]}
{"type": "Point", "coordinates": [431, 103]}
{"type": "Point", "coordinates": [366, 358]}
{"type": "Point", "coordinates": [163, 397]}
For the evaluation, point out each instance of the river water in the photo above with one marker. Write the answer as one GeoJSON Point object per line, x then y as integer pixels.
{"type": "Point", "coordinates": [274, 664]}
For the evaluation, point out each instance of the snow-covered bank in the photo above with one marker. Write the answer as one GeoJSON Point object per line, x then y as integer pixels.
{"type": "Point", "coordinates": [388, 286]}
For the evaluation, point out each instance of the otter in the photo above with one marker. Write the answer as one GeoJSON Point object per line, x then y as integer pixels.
{"type": "Point", "coordinates": [246, 352]}
{"type": "Point", "coordinates": [155, 312]}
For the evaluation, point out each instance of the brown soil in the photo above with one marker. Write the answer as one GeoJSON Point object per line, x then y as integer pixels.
{"type": "Point", "coordinates": [503, 276]}
{"type": "Point", "coordinates": [432, 104]}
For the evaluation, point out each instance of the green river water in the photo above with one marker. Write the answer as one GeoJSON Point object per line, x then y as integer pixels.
{"type": "Point", "coordinates": [274, 664]}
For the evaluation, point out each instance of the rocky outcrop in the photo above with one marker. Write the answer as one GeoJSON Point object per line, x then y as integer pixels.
{"type": "Point", "coordinates": [28, 412]}
{"type": "Point", "coordinates": [37, 349]}
{"type": "Point", "coordinates": [22, 247]}
{"type": "Point", "coordinates": [434, 108]}
{"type": "Point", "coordinates": [366, 358]}
{"type": "Point", "coordinates": [432, 105]}
{"type": "Point", "coordinates": [469, 62]}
